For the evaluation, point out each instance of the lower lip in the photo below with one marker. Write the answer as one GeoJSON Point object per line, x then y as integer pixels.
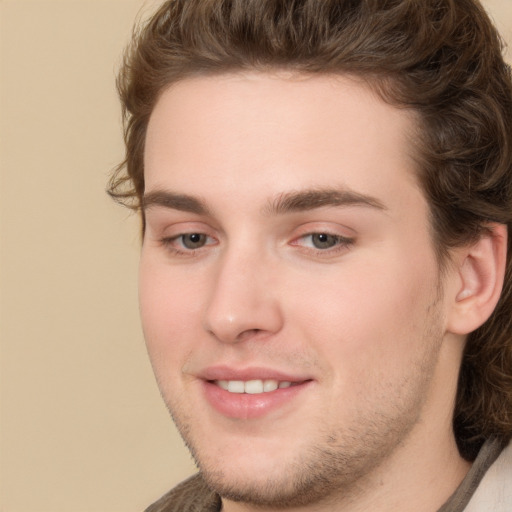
{"type": "Point", "coordinates": [248, 406]}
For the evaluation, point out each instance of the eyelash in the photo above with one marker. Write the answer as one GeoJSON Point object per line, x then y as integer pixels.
{"type": "Point", "coordinates": [341, 243]}
{"type": "Point", "coordinates": [168, 243]}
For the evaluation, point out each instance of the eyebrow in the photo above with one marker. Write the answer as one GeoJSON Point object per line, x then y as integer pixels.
{"type": "Point", "coordinates": [319, 198]}
{"type": "Point", "coordinates": [284, 203]}
{"type": "Point", "coordinates": [181, 202]}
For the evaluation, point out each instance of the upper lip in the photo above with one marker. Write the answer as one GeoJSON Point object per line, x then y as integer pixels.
{"type": "Point", "coordinates": [221, 372]}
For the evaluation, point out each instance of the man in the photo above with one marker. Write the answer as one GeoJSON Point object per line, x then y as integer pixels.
{"type": "Point", "coordinates": [326, 191]}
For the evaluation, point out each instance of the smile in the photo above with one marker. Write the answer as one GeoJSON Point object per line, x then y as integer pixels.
{"type": "Point", "coordinates": [252, 387]}
{"type": "Point", "coordinates": [253, 398]}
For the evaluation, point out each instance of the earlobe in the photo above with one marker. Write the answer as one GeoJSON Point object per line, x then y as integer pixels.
{"type": "Point", "coordinates": [481, 271]}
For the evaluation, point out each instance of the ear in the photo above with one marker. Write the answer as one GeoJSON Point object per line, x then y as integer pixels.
{"type": "Point", "coordinates": [480, 270]}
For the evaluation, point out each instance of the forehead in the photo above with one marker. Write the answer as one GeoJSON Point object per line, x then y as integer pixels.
{"type": "Point", "coordinates": [243, 132]}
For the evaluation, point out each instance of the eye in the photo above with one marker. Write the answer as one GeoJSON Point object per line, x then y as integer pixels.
{"type": "Point", "coordinates": [193, 240]}
{"type": "Point", "coordinates": [324, 240]}
{"type": "Point", "coordinates": [187, 244]}
{"type": "Point", "coordinates": [323, 244]}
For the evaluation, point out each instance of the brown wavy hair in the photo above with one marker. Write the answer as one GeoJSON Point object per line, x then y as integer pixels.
{"type": "Point", "coordinates": [440, 58]}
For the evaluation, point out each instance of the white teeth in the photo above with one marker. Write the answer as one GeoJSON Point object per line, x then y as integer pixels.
{"type": "Point", "coordinates": [269, 385]}
{"type": "Point", "coordinates": [236, 386]}
{"type": "Point", "coordinates": [253, 387]}
{"type": "Point", "coordinates": [223, 384]}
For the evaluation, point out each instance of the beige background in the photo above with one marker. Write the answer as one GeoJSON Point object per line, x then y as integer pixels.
{"type": "Point", "coordinates": [82, 424]}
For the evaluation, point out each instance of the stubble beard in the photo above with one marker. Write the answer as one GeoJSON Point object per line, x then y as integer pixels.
{"type": "Point", "coordinates": [340, 465]}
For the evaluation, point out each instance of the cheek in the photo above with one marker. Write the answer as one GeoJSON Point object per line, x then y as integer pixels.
{"type": "Point", "coordinates": [364, 316]}
{"type": "Point", "coordinates": [168, 312]}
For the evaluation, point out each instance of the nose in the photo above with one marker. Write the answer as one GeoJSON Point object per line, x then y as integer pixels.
{"type": "Point", "coordinates": [243, 302]}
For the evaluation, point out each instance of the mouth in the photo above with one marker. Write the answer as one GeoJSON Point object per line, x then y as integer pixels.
{"type": "Point", "coordinates": [253, 394]}
{"type": "Point", "coordinates": [254, 386]}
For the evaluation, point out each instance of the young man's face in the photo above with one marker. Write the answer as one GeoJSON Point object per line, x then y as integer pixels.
{"type": "Point", "coordinates": [288, 255]}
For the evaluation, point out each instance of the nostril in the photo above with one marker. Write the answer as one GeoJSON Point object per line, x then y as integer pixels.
{"type": "Point", "coordinates": [249, 333]}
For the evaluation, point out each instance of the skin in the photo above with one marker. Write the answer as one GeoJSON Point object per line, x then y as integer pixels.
{"type": "Point", "coordinates": [363, 317]}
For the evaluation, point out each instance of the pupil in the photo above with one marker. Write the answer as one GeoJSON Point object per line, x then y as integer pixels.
{"type": "Point", "coordinates": [323, 240]}
{"type": "Point", "coordinates": [193, 240]}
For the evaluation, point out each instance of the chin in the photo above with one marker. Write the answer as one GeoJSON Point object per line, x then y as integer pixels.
{"type": "Point", "coordinates": [260, 471]}
{"type": "Point", "coordinates": [277, 491]}
{"type": "Point", "coordinates": [311, 465]}
{"type": "Point", "coordinates": [273, 474]}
